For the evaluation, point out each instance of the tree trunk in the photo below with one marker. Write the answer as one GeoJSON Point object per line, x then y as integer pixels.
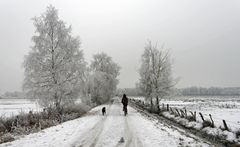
{"type": "Point", "coordinates": [157, 104]}
{"type": "Point", "coordinates": [57, 103]}
{"type": "Point", "coordinates": [151, 105]}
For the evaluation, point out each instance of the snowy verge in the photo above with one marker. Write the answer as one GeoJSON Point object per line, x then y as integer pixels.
{"type": "Point", "coordinates": [230, 137]}
{"type": "Point", "coordinates": [12, 128]}
{"type": "Point", "coordinates": [61, 135]}
{"type": "Point", "coordinates": [222, 134]}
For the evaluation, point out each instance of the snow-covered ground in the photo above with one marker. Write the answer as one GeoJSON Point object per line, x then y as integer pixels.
{"type": "Point", "coordinates": [13, 106]}
{"type": "Point", "coordinates": [227, 108]}
{"type": "Point", "coordinates": [10, 107]}
{"type": "Point", "coordinates": [93, 129]}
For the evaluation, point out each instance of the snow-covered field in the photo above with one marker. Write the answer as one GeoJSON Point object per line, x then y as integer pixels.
{"type": "Point", "coordinates": [220, 108]}
{"type": "Point", "coordinates": [93, 129]}
{"type": "Point", "coordinates": [10, 107]}
{"type": "Point", "coordinates": [13, 106]}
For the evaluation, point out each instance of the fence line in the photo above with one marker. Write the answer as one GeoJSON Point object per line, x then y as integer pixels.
{"type": "Point", "coordinates": [182, 113]}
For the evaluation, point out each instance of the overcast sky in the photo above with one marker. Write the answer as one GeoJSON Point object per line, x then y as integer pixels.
{"type": "Point", "coordinates": [204, 36]}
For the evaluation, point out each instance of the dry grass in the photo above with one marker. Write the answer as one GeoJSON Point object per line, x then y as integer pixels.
{"type": "Point", "coordinates": [207, 123]}
{"type": "Point", "coordinates": [26, 123]}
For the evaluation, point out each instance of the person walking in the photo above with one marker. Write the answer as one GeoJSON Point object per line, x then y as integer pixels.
{"type": "Point", "coordinates": [125, 103]}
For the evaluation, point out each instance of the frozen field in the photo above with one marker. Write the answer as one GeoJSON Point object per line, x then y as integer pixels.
{"type": "Point", "coordinates": [220, 108]}
{"type": "Point", "coordinates": [9, 107]}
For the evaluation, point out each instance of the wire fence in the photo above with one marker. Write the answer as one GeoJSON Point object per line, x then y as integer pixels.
{"type": "Point", "coordinates": [233, 124]}
{"type": "Point", "coordinates": [219, 121]}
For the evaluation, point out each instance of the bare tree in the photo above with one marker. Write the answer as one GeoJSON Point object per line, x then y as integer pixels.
{"type": "Point", "coordinates": [155, 73]}
{"type": "Point", "coordinates": [103, 78]}
{"type": "Point", "coordinates": [54, 67]}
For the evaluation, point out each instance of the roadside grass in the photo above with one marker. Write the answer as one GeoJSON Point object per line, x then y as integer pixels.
{"type": "Point", "coordinates": [26, 123]}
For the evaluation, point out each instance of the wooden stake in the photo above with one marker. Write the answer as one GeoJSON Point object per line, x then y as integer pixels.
{"type": "Point", "coordinates": [211, 120]}
{"type": "Point", "coordinates": [178, 112]}
{"type": "Point", "coordinates": [182, 112]}
{"type": "Point", "coordinates": [195, 116]}
{"type": "Point", "coordinates": [225, 125]}
{"type": "Point", "coordinates": [201, 116]}
{"type": "Point", "coordinates": [191, 113]}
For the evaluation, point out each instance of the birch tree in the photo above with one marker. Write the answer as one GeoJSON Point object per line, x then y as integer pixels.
{"type": "Point", "coordinates": [155, 73]}
{"type": "Point", "coordinates": [103, 78]}
{"type": "Point", "coordinates": [55, 65]}
{"type": "Point", "coordinates": [145, 83]}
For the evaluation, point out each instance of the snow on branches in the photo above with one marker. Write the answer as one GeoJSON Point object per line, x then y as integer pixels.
{"type": "Point", "coordinates": [55, 65]}
{"type": "Point", "coordinates": [103, 78]}
{"type": "Point", "coordinates": [155, 73]}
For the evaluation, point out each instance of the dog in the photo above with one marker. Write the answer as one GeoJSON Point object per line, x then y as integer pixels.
{"type": "Point", "coordinates": [103, 111]}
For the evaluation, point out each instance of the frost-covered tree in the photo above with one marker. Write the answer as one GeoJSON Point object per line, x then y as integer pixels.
{"type": "Point", "coordinates": [103, 78]}
{"type": "Point", "coordinates": [155, 73]}
{"type": "Point", "coordinates": [54, 67]}
{"type": "Point", "coordinates": [145, 83]}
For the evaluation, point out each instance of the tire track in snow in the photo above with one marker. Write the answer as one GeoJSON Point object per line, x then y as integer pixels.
{"type": "Point", "coordinates": [90, 137]}
{"type": "Point", "coordinates": [129, 136]}
{"type": "Point", "coordinates": [132, 139]}
{"type": "Point", "coordinates": [114, 129]}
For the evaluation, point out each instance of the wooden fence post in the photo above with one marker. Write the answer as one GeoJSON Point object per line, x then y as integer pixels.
{"type": "Point", "coordinates": [225, 125]}
{"type": "Point", "coordinates": [201, 116]}
{"type": "Point", "coordinates": [182, 113]}
{"type": "Point", "coordinates": [178, 112]}
{"type": "Point", "coordinates": [195, 116]}
{"type": "Point", "coordinates": [211, 120]}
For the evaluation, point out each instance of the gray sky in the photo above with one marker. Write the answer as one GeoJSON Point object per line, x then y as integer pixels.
{"type": "Point", "coordinates": [204, 36]}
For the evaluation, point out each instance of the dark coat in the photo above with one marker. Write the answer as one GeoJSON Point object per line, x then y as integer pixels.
{"type": "Point", "coordinates": [125, 101]}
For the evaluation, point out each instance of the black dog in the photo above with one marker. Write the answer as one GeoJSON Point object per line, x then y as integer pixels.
{"type": "Point", "coordinates": [103, 110]}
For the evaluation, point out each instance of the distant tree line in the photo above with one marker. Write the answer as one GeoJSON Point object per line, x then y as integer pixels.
{"type": "Point", "coordinates": [15, 94]}
{"type": "Point", "coordinates": [212, 91]}
{"type": "Point", "coordinates": [130, 91]}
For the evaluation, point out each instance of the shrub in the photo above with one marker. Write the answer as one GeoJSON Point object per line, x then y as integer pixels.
{"type": "Point", "coordinates": [26, 123]}
{"type": "Point", "coordinates": [238, 134]}
{"type": "Point", "coordinates": [2, 126]}
{"type": "Point", "coordinates": [45, 123]}
{"type": "Point", "coordinates": [81, 109]}
{"type": "Point", "coordinates": [6, 138]}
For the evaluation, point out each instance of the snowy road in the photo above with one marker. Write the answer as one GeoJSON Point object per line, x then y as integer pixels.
{"type": "Point", "coordinates": [94, 129]}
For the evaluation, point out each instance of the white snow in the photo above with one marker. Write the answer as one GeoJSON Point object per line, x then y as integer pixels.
{"type": "Point", "coordinates": [227, 108]}
{"type": "Point", "coordinates": [93, 129]}
{"type": "Point", "coordinates": [230, 136]}
{"type": "Point", "coordinates": [10, 107]}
